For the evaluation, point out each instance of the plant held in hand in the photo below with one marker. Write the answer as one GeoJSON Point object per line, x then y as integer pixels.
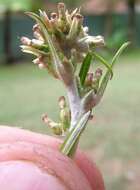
{"type": "Point", "coordinates": [63, 46]}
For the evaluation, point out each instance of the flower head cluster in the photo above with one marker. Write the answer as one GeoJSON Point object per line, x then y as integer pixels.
{"type": "Point", "coordinates": [68, 35]}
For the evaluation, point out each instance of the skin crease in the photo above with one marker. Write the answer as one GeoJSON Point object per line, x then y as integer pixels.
{"type": "Point", "coordinates": [32, 161]}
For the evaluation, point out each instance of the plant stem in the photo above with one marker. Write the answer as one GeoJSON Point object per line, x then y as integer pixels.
{"type": "Point", "coordinates": [74, 103]}
{"type": "Point", "coordinates": [70, 144]}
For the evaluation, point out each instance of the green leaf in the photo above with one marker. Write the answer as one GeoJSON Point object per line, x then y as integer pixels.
{"type": "Point", "coordinates": [102, 87]}
{"type": "Point", "coordinates": [104, 62]}
{"type": "Point", "coordinates": [69, 145]}
{"type": "Point", "coordinates": [119, 52]}
{"type": "Point", "coordinates": [85, 67]}
{"type": "Point", "coordinates": [107, 75]}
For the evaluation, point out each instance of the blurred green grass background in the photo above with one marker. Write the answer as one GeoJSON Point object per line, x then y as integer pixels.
{"type": "Point", "coordinates": [112, 139]}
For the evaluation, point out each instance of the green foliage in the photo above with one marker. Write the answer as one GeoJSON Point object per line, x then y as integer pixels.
{"type": "Point", "coordinates": [85, 67]}
{"type": "Point", "coordinates": [107, 76]}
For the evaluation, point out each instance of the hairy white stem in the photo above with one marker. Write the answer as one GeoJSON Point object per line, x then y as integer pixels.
{"type": "Point", "coordinates": [74, 103]}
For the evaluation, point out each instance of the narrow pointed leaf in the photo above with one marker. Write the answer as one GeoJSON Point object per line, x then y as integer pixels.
{"type": "Point", "coordinates": [119, 52]}
{"type": "Point", "coordinates": [107, 75]}
{"type": "Point", "coordinates": [68, 147]}
{"type": "Point", "coordinates": [85, 67]}
{"type": "Point", "coordinates": [102, 87]}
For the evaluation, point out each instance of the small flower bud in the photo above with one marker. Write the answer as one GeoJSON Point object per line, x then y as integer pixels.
{"type": "Point", "coordinates": [97, 40]}
{"type": "Point", "coordinates": [63, 23]}
{"type": "Point", "coordinates": [36, 28]}
{"type": "Point", "coordinates": [40, 62]}
{"type": "Point", "coordinates": [61, 6]}
{"type": "Point", "coordinates": [98, 73]}
{"type": "Point", "coordinates": [79, 17]}
{"type": "Point", "coordinates": [62, 102]}
{"type": "Point", "coordinates": [45, 118]}
{"type": "Point", "coordinates": [38, 36]}
{"type": "Point", "coordinates": [36, 43]}
{"type": "Point", "coordinates": [56, 127]}
{"type": "Point", "coordinates": [95, 84]}
{"type": "Point", "coordinates": [41, 66]}
{"type": "Point", "coordinates": [37, 32]}
{"type": "Point", "coordinates": [75, 26]}
{"type": "Point", "coordinates": [25, 41]}
{"type": "Point", "coordinates": [89, 79]}
{"type": "Point", "coordinates": [68, 18]}
{"type": "Point", "coordinates": [53, 16]}
{"type": "Point", "coordinates": [49, 121]}
{"type": "Point", "coordinates": [64, 113]}
{"type": "Point", "coordinates": [61, 10]}
{"type": "Point", "coordinates": [94, 81]}
{"type": "Point", "coordinates": [36, 61]}
{"type": "Point", "coordinates": [91, 117]}
{"type": "Point", "coordinates": [65, 118]}
{"type": "Point", "coordinates": [44, 16]}
{"type": "Point", "coordinates": [54, 24]}
{"type": "Point", "coordinates": [74, 12]}
{"type": "Point", "coordinates": [93, 40]}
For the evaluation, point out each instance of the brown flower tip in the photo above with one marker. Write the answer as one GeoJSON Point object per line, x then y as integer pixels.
{"type": "Point", "coordinates": [40, 62]}
{"type": "Point", "coordinates": [62, 102]}
{"type": "Point", "coordinates": [79, 16]}
{"type": "Point", "coordinates": [41, 66]}
{"type": "Point", "coordinates": [61, 5]}
{"type": "Point", "coordinates": [89, 79]}
{"type": "Point", "coordinates": [98, 73]}
{"type": "Point", "coordinates": [91, 117]}
{"type": "Point", "coordinates": [53, 15]}
{"type": "Point", "coordinates": [45, 118]}
{"type": "Point", "coordinates": [36, 28]}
